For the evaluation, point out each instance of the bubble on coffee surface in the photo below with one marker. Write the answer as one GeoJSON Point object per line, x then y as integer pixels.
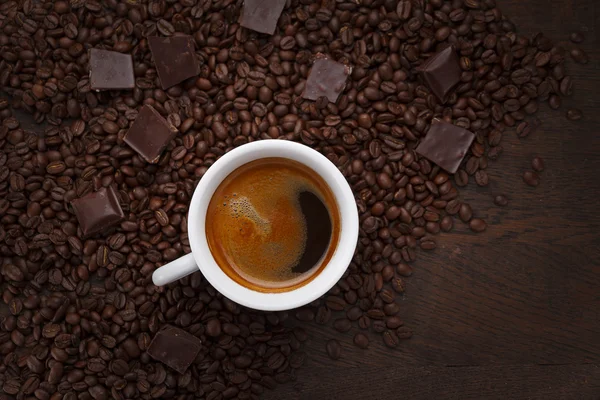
{"type": "Point", "coordinates": [241, 207]}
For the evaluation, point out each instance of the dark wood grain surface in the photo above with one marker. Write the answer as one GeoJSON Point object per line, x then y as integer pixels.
{"type": "Point", "coordinates": [513, 313]}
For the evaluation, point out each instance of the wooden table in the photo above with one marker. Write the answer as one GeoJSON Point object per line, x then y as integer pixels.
{"type": "Point", "coordinates": [512, 313]}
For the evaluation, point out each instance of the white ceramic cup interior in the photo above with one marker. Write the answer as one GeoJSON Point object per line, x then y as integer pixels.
{"type": "Point", "coordinates": [202, 258]}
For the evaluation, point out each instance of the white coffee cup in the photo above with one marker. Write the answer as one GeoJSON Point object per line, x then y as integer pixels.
{"type": "Point", "coordinates": [202, 258]}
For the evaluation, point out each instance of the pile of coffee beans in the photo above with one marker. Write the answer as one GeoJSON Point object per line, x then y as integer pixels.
{"type": "Point", "coordinates": [78, 315]}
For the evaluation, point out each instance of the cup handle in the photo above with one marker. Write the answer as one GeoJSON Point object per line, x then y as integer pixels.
{"type": "Point", "coordinates": [175, 270]}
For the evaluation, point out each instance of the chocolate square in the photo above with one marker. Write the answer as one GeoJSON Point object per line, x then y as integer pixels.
{"type": "Point", "coordinates": [175, 347]}
{"type": "Point", "coordinates": [446, 145]}
{"type": "Point", "coordinates": [110, 70]}
{"type": "Point", "coordinates": [441, 72]}
{"type": "Point", "coordinates": [174, 58]}
{"type": "Point", "coordinates": [261, 15]}
{"type": "Point", "coordinates": [97, 211]}
{"type": "Point", "coordinates": [326, 78]}
{"type": "Point", "coordinates": [150, 134]}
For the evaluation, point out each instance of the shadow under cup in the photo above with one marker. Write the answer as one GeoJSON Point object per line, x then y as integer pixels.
{"type": "Point", "coordinates": [273, 225]}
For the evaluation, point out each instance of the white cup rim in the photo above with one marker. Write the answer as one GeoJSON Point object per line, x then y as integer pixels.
{"type": "Point", "coordinates": [335, 267]}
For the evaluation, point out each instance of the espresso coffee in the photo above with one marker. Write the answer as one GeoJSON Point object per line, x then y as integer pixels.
{"type": "Point", "coordinates": [272, 225]}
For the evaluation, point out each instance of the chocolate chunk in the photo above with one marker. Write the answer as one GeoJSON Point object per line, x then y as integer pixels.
{"type": "Point", "coordinates": [261, 15]}
{"type": "Point", "coordinates": [441, 72]}
{"type": "Point", "coordinates": [446, 145]}
{"type": "Point", "coordinates": [110, 70]}
{"type": "Point", "coordinates": [97, 211]}
{"type": "Point", "coordinates": [174, 58]}
{"type": "Point", "coordinates": [150, 134]}
{"type": "Point", "coordinates": [175, 347]}
{"type": "Point", "coordinates": [326, 78]}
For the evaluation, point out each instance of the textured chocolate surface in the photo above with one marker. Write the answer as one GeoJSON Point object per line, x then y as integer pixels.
{"type": "Point", "coordinates": [326, 78]}
{"type": "Point", "coordinates": [97, 211]}
{"type": "Point", "coordinates": [446, 145]}
{"type": "Point", "coordinates": [150, 134]}
{"type": "Point", "coordinates": [261, 15]}
{"type": "Point", "coordinates": [110, 70]}
{"type": "Point", "coordinates": [174, 58]}
{"type": "Point", "coordinates": [175, 348]}
{"type": "Point", "coordinates": [441, 72]}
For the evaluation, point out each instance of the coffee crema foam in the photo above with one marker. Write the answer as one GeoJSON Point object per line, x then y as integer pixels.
{"type": "Point", "coordinates": [256, 225]}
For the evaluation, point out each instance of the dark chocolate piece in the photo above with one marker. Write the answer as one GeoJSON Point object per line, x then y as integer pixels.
{"type": "Point", "coordinates": [441, 72]}
{"type": "Point", "coordinates": [150, 134]}
{"type": "Point", "coordinates": [326, 78]}
{"type": "Point", "coordinates": [261, 15]}
{"type": "Point", "coordinates": [110, 70]}
{"type": "Point", "coordinates": [97, 211]}
{"type": "Point", "coordinates": [446, 145]}
{"type": "Point", "coordinates": [175, 347]}
{"type": "Point", "coordinates": [174, 58]}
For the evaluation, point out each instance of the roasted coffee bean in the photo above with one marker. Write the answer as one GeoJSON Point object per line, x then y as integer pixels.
{"type": "Point", "coordinates": [404, 269]}
{"type": "Point", "coordinates": [501, 200]}
{"type": "Point", "coordinates": [334, 349]}
{"type": "Point", "coordinates": [403, 332]}
{"type": "Point", "coordinates": [354, 313]}
{"type": "Point", "coordinates": [577, 37]}
{"type": "Point", "coordinates": [481, 177]}
{"type": "Point", "coordinates": [554, 102]}
{"type": "Point", "coordinates": [574, 114]}
{"type": "Point", "coordinates": [276, 360]}
{"type": "Point", "coordinates": [398, 285]}
{"type": "Point", "coordinates": [523, 130]}
{"type": "Point", "coordinates": [446, 223]}
{"type": "Point", "coordinates": [537, 164]}
{"type": "Point", "coordinates": [361, 340]}
{"type": "Point", "coordinates": [477, 225]}
{"type": "Point", "coordinates": [390, 339]}
{"type": "Point", "coordinates": [531, 178]}
{"type": "Point", "coordinates": [297, 359]}
{"type": "Point", "coordinates": [393, 322]}
{"type": "Point", "coordinates": [213, 327]}
{"type": "Point", "coordinates": [453, 206]}
{"type": "Point", "coordinates": [11, 386]}
{"type": "Point", "coordinates": [305, 314]}
{"type": "Point", "coordinates": [335, 303]}
{"type": "Point", "coordinates": [403, 9]}
{"type": "Point", "coordinates": [323, 315]}
{"type": "Point", "coordinates": [566, 86]}
{"type": "Point", "coordinates": [364, 322]}
{"type": "Point", "coordinates": [465, 212]}
{"type": "Point", "coordinates": [579, 55]}
{"type": "Point", "coordinates": [461, 178]}
{"type": "Point", "coordinates": [342, 325]}
{"type": "Point", "coordinates": [56, 168]}
{"type": "Point", "coordinates": [96, 364]}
